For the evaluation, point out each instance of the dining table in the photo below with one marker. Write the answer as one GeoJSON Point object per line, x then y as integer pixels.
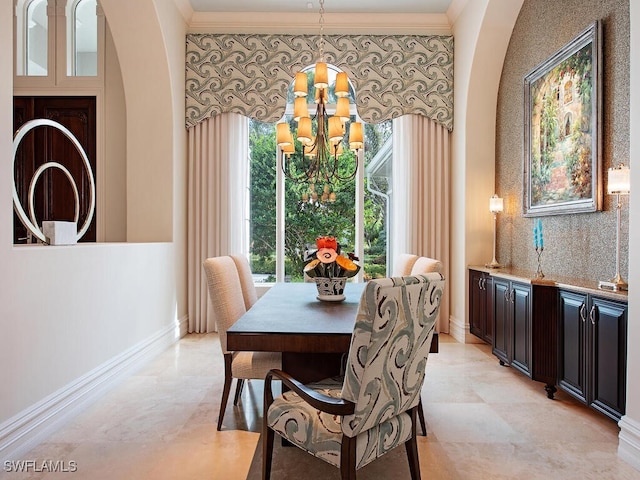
{"type": "Point", "coordinates": [312, 335]}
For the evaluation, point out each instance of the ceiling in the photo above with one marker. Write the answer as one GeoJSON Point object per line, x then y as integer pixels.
{"type": "Point", "coordinates": [330, 6]}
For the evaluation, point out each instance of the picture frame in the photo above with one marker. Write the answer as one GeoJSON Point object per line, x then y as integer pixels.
{"type": "Point", "coordinates": [563, 129]}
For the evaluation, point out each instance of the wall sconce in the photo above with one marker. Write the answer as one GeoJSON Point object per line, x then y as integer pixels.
{"type": "Point", "coordinates": [619, 183]}
{"type": "Point", "coordinates": [496, 205]}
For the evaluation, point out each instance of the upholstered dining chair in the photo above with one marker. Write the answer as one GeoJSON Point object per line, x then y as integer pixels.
{"type": "Point", "coordinates": [352, 420]}
{"type": "Point", "coordinates": [225, 293]}
{"type": "Point", "coordinates": [403, 264]}
{"type": "Point", "coordinates": [246, 280]}
{"type": "Point", "coordinates": [410, 264]}
{"type": "Point", "coordinates": [426, 265]}
{"type": "Point", "coordinates": [250, 297]}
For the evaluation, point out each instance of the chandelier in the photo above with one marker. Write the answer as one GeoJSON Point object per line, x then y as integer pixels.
{"type": "Point", "coordinates": [321, 137]}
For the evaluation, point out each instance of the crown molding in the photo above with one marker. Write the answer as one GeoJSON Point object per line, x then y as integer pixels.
{"type": "Point", "coordinates": [185, 9]}
{"type": "Point", "coordinates": [455, 9]}
{"type": "Point", "coordinates": [307, 23]}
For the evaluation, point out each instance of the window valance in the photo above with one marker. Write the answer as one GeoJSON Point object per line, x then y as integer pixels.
{"type": "Point", "coordinates": [393, 75]}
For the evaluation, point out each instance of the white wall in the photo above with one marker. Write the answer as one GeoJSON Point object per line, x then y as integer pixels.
{"type": "Point", "coordinates": [482, 31]}
{"type": "Point", "coordinates": [629, 447]}
{"type": "Point", "coordinates": [69, 314]}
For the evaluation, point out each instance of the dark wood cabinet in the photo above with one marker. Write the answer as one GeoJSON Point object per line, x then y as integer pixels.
{"type": "Point", "coordinates": [512, 317]}
{"type": "Point", "coordinates": [480, 305]}
{"type": "Point", "coordinates": [569, 333]}
{"type": "Point", "coordinates": [593, 353]}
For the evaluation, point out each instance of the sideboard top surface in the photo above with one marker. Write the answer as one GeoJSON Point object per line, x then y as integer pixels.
{"type": "Point", "coordinates": [568, 283]}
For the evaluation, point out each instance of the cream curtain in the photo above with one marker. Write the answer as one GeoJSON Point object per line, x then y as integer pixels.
{"type": "Point", "coordinates": [420, 190]}
{"type": "Point", "coordinates": [217, 200]}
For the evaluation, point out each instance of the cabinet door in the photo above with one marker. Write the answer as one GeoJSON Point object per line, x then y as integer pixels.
{"type": "Point", "coordinates": [501, 320]}
{"type": "Point", "coordinates": [488, 309]}
{"type": "Point", "coordinates": [572, 342]}
{"type": "Point", "coordinates": [477, 303]}
{"type": "Point", "coordinates": [521, 310]}
{"type": "Point", "coordinates": [480, 314]}
{"type": "Point", "coordinates": [608, 361]}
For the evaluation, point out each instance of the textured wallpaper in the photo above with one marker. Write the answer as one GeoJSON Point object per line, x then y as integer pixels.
{"type": "Point", "coordinates": [576, 245]}
{"type": "Point", "coordinates": [250, 74]}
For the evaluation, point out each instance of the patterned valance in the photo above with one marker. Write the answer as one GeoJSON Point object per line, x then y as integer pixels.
{"type": "Point", "coordinates": [393, 75]}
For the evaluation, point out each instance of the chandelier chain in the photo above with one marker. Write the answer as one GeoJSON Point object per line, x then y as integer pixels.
{"type": "Point", "coordinates": [321, 21]}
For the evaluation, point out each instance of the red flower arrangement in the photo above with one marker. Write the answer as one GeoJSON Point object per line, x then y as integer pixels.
{"type": "Point", "coordinates": [327, 261]}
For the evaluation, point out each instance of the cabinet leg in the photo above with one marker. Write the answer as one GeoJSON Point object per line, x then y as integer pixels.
{"type": "Point", "coordinates": [551, 389]}
{"type": "Point", "coordinates": [501, 363]}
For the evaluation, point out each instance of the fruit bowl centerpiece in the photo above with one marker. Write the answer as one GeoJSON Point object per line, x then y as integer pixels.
{"type": "Point", "coordinates": [330, 269]}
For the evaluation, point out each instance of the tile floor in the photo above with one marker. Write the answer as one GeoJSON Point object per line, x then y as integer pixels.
{"type": "Point", "coordinates": [485, 422]}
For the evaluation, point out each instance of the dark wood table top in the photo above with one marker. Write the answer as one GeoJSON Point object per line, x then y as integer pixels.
{"type": "Point", "coordinates": [289, 318]}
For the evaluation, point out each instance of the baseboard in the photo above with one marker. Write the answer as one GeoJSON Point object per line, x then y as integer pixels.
{"type": "Point", "coordinates": [460, 331]}
{"type": "Point", "coordinates": [629, 441]}
{"type": "Point", "coordinates": [30, 427]}
{"type": "Point", "coordinates": [183, 326]}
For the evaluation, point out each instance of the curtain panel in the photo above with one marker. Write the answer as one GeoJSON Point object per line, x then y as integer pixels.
{"type": "Point", "coordinates": [393, 75]}
{"type": "Point", "coordinates": [218, 172]}
{"type": "Point", "coordinates": [420, 218]}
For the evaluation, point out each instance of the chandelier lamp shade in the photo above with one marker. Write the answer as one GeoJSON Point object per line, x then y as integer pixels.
{"type": "Point", "coordinates": [321, 136]}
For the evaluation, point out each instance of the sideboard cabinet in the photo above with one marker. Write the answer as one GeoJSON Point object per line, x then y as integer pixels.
{"type": "Point", "coordinates": [562, 333]}
{"type": "Point", "coordinates": [593, 351]}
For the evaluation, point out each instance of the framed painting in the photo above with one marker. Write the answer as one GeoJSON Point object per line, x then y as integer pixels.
{"type": "Point", "coordinates": [562, 137]}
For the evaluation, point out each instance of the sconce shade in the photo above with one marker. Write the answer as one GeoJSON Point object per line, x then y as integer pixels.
{"type": "Point", "coordinates": [304, 130]}
{"type": "Point", "coordinates": [321, 76]}
{"type": "Point", "coordinates": [288, 149]}
{"type": "Point", "coordinates": [356, 140]}
{"type": "Point", "coordinates": [619, 181]}
{"type": "Point", "coordinates": [300, 85]}
{"type": "Point", "coordinates": [342, 109]}
{"type": "Point", "coordinates": [342, 85]}
{"type": "Point", "coordinates": [335, 129]}
{"type": "Point", "coordinates": [496, 204]}
{"type": "Point", "coordinates": [283, 134]}
{"type": "Point", "coordinates": [300, 108]}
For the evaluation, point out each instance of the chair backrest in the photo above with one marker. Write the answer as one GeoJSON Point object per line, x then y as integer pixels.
{"type": "Point", "coordinates": [246, 280]}
{"type": "Point", "coordinates": [389, 348]}
{"type": "Point", "coordinates": [403, 264]}
{"type": "Point", "coordinates": [426, 265]}
{"type": "Point", "coordinates": [225, 294]}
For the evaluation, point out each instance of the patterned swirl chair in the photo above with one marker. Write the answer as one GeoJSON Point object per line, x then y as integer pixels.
{"type": "Point", "coordinates": [352, 420]}
{"type": "Point", "coordinates": [419, 266]}
{"type": "Point", "coordinates": [225, 293]}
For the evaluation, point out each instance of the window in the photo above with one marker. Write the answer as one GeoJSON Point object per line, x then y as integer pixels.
{"type": "Point", "coordinates": [43, 31]}
{"type": "Point", "coordinates": [32, 37]}
{"type": "Point", "coordinates": [82, 30]}
{"type": "Point", "coordinates": [280, 205]}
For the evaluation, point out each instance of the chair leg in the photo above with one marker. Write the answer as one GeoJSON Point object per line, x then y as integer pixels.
{"type": "Point", "coordinates": [267, 433]}
{"type": "Point", "coordinates": [267, 451]}
{"type": "Point", "coordinates": [412, 455]}
{"type": "Point", "coordinates": [411, 446]}
{"type": "Point", "coordinates": [423, 425]}
{"type": "Point", "coordinates": [227, 388]}
{"type": "Point", "coordinates": [239, 385]}
{"type": "Point", "coordinates": [348, 458]}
